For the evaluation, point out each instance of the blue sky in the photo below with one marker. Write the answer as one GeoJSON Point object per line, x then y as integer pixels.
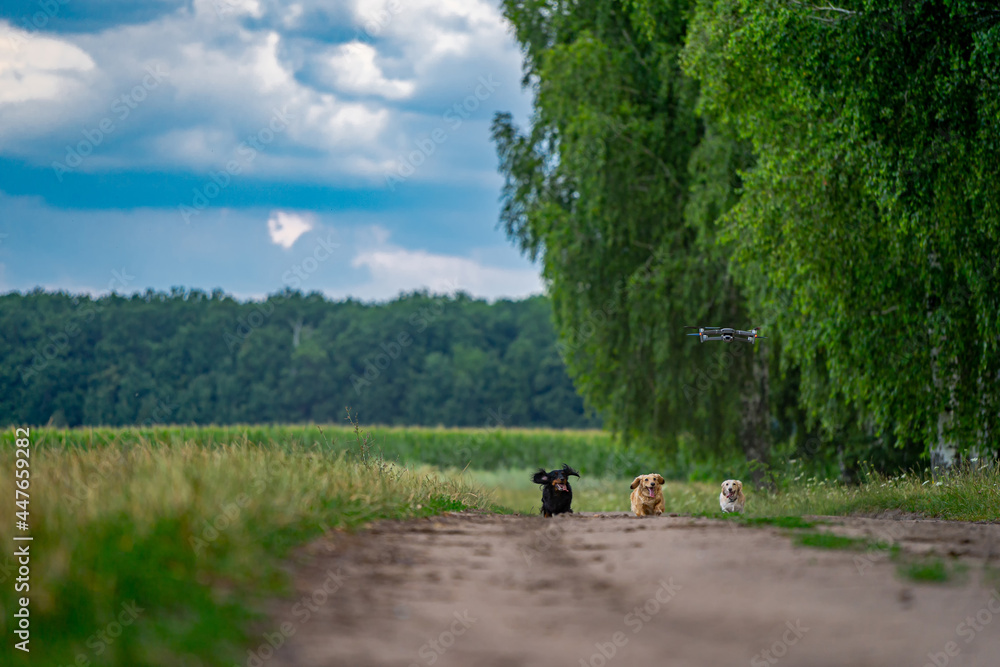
{"type": "Point", "coordinates": [237, 143]}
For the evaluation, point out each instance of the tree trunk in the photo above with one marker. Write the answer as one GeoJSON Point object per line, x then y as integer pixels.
{"type": "Point", "coordinates": [755, 430]}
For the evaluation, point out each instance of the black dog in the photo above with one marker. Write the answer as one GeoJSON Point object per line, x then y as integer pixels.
{"type": "Point", "coordinates": [557, 494]}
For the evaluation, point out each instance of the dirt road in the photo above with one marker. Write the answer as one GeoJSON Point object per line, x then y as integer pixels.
{"type": "Point", "coordinates": [601, 589]}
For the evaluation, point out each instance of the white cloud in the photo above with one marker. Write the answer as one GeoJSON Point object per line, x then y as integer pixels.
{"type": "Point", "coordinates": [395, 270]}
{"type": "Point", "coordinates": [33, 67]}
{"type": "Point", "coordinates": [356, 107]}
{"type": "Point", "coordinates": [334, 125]}
{"type": "Point", "coordinates": [228, 9]}
{"type": "Point", "coordinates": [353, 68]}
{"type": "Point", "coordinates": [292, 15]}
{"type": "Point", "coordinates": [285, 228]}
{"type": "Point", "coordinates": [267, 68]}
{"type": "Point", "coordinates": [198, 147]}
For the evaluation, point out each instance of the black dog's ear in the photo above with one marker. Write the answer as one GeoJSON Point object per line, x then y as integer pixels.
{"type": "Point", "coordinates": [569, 471]}
{"type": "Point", "coordinates": [540, 477]}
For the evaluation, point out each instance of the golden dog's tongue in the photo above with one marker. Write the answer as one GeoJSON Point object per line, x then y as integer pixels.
{"type": "Point", "coordinates": [650, 492]}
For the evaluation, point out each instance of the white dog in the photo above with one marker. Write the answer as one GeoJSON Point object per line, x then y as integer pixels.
{"type": "Point", "coordinates": [731, 499]}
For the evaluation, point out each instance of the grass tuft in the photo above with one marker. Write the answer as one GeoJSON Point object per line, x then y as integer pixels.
{"type": "Point", "coordinates": [932, 571]}
{"type": "Point", "coordinates": [966, 495]}
{"type": "Point", "coordinates": [818, 540]}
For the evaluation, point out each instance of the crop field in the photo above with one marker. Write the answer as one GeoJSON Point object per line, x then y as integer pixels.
{"type": "Point", "coordinates": [593, 452]}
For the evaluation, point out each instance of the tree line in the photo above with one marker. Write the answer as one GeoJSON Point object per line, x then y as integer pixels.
{"type": "Point", "coordinates": [198, 358]}
{"type": "Point", "coordinates": [828, 171]}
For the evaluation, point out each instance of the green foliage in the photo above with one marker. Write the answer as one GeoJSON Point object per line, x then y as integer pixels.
{"type": "Point", "coordinates": [616, 186]}
{"type": "Point", "coordinates": [869, 224]}
{"type": "Point", "coordinates": [841, 187]}
{"type": "Point", "coordinates": [195, 358]}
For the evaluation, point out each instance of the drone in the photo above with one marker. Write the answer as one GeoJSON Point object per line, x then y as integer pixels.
{"type": "Point", "coordinates": [726, 334]}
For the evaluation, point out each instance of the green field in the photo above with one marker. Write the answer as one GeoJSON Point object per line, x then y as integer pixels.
{"type": "Point", "coordinates": [590, 452]}
{"type": "Point", "coordinates": [187, 528]}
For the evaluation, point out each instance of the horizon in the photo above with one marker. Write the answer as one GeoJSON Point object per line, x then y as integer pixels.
{"type": "Point", "coordinates": [188, 291]}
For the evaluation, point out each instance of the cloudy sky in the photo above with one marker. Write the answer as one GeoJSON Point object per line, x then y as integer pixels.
{"type": "Point", "coordinates": [332, 145]}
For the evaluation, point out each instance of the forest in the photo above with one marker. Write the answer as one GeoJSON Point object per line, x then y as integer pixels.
{"type": "Point", "coordinates": [192, 357]}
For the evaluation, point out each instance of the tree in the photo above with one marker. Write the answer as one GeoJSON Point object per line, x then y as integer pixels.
{"type": "Point", "coordinates": [870, 221]}
{"type": "Point", "coordinates": [614, 187]}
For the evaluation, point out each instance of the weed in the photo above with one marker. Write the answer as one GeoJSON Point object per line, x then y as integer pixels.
{"type": "Point", "coordinates": [818, 540]}
{"type": "Point", "coordinates": [931, 570]}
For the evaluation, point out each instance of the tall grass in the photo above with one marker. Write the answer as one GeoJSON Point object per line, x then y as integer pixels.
{"type": "Point", "coordinates": [190, 535]}
{"type": "Point", "coordinates": [966, 495]}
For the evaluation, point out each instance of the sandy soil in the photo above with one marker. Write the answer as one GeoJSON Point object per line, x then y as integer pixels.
{"type": "Point", "coordinates": [599, 589]}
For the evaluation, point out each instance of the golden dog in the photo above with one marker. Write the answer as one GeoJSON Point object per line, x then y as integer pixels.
{"type": "Point", "coordinates": [647, 495]}
{"type": "Point", "coordinates": [731, 499]}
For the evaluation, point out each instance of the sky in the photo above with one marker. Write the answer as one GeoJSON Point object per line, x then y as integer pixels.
{"type": "Point", "coordinates": [339, 146]}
